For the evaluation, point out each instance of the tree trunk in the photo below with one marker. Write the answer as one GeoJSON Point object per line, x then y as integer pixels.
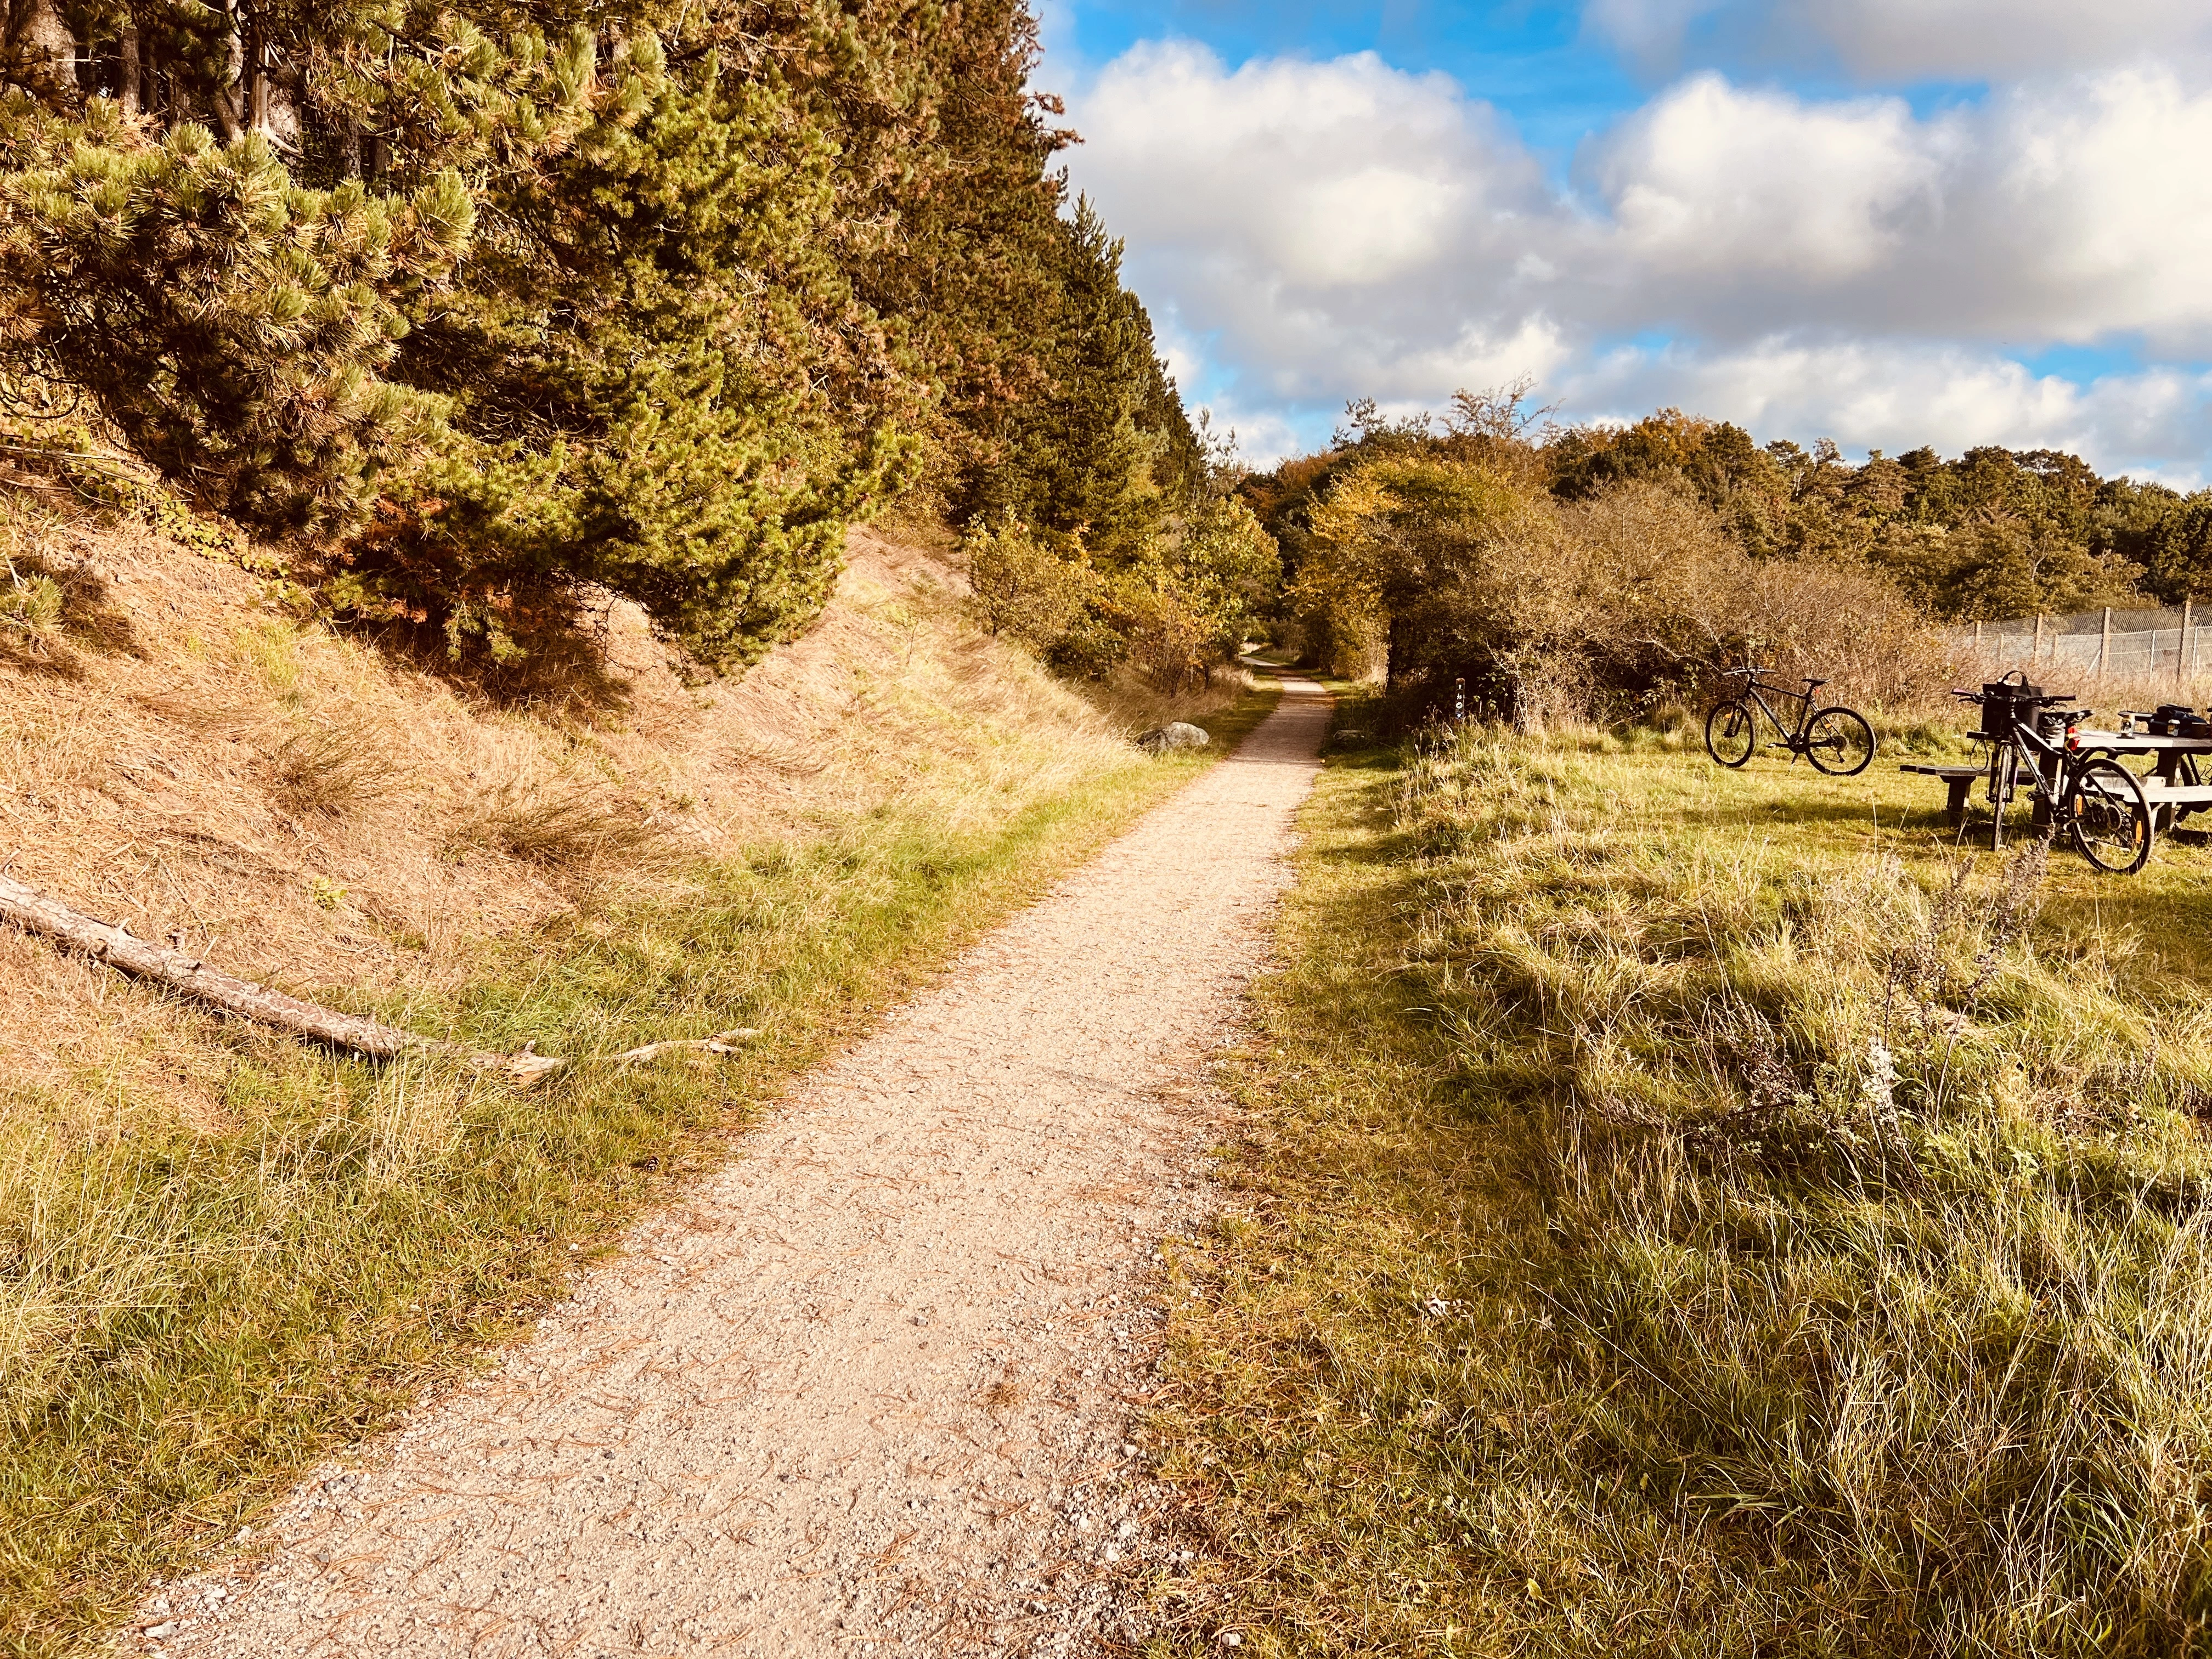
{"type": "Point", "coordinates": [30, 908]}
{"type": "Point", "coordinates": [230, 97]}
{"type": "Point", "coordinates": [39, 47]}
{"type": "Point", "coordinates": [255, 88]}
{"type": "Point", "coordinates": [128, 92]}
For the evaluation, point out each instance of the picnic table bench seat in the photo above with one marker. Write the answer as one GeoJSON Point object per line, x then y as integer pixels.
{"type": "Point", "coordinates": [2160, 793]}
{"type": "Point", "coordinates": [1957, 779]}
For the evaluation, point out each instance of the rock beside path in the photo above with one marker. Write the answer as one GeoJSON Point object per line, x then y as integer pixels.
{"type": "Point", "coordinates": [1175, 734]}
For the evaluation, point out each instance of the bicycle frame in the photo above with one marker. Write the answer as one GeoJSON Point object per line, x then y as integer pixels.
{"type": "Point", "coordinates": [1835, 740]}
{"type": "Point", "coordinates": [1792, 736]}
{"type": "Point", "coordinates": [2047, 763]}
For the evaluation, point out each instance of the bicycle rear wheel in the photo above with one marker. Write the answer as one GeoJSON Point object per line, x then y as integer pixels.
{"type": "Point", "coordinates": [2108, 818]}
{"type": "Point", "coordinates": [1731, 733]}
{"type": "Point", "coordinates": [1839, 742]}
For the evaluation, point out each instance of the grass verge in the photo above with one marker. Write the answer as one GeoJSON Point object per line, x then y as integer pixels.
{"type": "Point", "coordinates": [1689, 1212]}
{"type": "Point", "coordinates": [189, 1320]}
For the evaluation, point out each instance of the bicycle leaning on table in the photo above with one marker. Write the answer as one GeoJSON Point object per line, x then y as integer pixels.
{"type": "Point", "coordinates": [1835, 740]}
{"type": "Point", "coordinates": [2097, 801]}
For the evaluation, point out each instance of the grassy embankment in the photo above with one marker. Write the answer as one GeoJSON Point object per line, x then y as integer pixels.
{"type": "Point", "coordinates": [1692, 1212]}
{"type": "Point", "coordinates": [198, 1310]}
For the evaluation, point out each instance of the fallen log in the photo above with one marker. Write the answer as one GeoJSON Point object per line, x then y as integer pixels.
{"type": "Point", "coordinates": [32, 911]}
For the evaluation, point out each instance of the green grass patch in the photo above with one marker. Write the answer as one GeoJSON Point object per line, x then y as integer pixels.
{"type": "Point", "coordinates": [1687, 1211]}
{"type": "Point", "coordinates": [192, 1320]}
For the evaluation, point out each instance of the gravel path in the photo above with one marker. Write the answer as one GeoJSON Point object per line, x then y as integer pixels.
{"type": "Point", "coordinates": [868, 1390]}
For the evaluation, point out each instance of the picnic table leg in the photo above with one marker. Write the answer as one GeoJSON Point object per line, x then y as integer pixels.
{"type": "Point", "coordinates": [1955, 804]}
{"type": "Point", "coordinates": [2166, 769]}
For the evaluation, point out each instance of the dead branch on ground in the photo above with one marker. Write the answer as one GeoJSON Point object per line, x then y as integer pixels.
{"type": "Point", "coordinates": [722, 1042]}
{"type": "Point", "coordinates": [32, 911]}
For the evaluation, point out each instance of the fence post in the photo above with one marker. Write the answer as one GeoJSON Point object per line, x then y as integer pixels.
{"type": "Point", "coordinates": [2181, 656]}
{"type": "Point", "coordinates": [2104, 645]}
{"type": "Point", "coordinates": [2035, 652]}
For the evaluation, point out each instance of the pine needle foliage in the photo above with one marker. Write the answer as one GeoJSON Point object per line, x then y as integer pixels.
{"type": "Point", "coordinates": [502, 300]}
{"type": "Point", "coordinates": [236, 327]}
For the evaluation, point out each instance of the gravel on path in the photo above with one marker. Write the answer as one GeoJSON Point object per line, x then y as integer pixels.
{"type": "Point", "coordinates": [869, 1388]}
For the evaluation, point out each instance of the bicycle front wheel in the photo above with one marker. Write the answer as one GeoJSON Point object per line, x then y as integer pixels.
{"type": "Point", "coordinates": [1731, 733]}
{"type": "Point", "coordinates": [2108, 818]}
{"type": "Point", "coordinates": [1839, 743]}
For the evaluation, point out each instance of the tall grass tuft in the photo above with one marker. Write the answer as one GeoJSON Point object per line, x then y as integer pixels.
{"type": "Point", "coordinates": [563, 819]}
{"type": "Point", "coordinates": [333, 767]}
{"type": "Point", "coordinates": [1722, 1237]}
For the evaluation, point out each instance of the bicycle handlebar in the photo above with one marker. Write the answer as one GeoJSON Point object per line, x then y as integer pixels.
{"type": "Point", "coordinates": [1737, 673]}
{"type": "Point", "coordinates": [2040, 702]}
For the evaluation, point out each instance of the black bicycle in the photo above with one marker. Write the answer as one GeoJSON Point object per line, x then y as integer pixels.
{"type": "Point", "coordinates": [1835, 740]}
{"type": "Point", "coordinates": [2097, 801]}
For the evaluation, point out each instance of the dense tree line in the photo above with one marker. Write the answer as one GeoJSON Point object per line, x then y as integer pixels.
{"type": "Point", "coordinates": [1612, 568]}
{"type": "Point", "coordinates": [497, 298]}
{"type": "Point", "coordinates": [1993, 533]}
{"type": "Point", "coordinates": [1438, 560]}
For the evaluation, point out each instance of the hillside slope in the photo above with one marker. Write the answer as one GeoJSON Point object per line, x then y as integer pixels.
{"type": "Point", "coordinates": [299, 807]}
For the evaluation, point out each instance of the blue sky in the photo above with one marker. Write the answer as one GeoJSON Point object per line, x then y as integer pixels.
{"type": "Point", "coordinates": [1889, 222]}
{"type": "Point", "coordinates": [1531, 61]}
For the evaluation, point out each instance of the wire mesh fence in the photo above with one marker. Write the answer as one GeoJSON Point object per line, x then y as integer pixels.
{"type": "Point", "coordinates": [2133, 645]}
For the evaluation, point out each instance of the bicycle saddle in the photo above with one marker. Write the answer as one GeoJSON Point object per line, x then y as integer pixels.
{"type": "Point", "coordinates": [1812, 685]}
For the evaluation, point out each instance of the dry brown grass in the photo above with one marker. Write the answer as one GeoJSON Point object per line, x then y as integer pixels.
{"type": "Point", "coordinates": [562, 820]}
{"type": "Point", "coordinates": [333, 767]}
{"type": "Point", "coordinates": [1135, 704]}
{"type": "Point", "coordinates": [185, 760]}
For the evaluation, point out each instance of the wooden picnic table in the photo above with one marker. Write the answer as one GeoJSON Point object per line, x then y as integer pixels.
{"type": "Point", "coordinates": [2172, 788]}
{"type": "Point", "coordinates": [2173, 782]}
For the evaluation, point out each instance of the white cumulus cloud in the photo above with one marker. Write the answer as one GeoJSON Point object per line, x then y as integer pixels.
{"type": "Point", "coordinates": [1317, 222]}
{"type": "Point", "coordinates": [1316, 231]}
{"type": "Point", "coordinates": [1712, 179]}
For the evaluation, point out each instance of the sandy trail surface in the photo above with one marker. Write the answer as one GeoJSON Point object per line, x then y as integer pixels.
{"type": "Point", "coordinates": [870, 1388]}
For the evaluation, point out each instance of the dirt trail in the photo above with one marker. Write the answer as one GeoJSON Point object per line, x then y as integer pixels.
{"type": "Point", "coordinates": [867, 1391]}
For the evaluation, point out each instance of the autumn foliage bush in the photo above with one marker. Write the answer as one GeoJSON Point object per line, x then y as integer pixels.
{"type": "Point", "coordinates": [1431, 569]}
{"type": "Point", "coordinates": [1179, 605]}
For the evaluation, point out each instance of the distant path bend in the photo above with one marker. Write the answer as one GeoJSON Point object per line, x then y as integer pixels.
{"type": "Point", "coordinates": [866, 1390]}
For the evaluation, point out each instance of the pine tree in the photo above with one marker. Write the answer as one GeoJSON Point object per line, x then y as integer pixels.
{"type": "Point", "coordinates": [234, 326]}
{"type": "Point", "coordinates": [635, 360]}
{"type": "Point", "coordinates": [514, 302]}
{"type": "Point", "coordinates": [1108, 454]}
